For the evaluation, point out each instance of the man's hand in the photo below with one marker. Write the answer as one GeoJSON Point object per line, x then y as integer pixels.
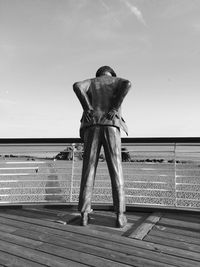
{"type": "Point", "coordinates": [111, 114]}
{"type": "Point", "coordinates": [88, 114]}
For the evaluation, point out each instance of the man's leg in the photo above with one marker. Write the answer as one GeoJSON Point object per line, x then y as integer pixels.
{"type": "Point", "coordinates": [112, 147]}
{"type": "Point", "coordinates": [92, 146]}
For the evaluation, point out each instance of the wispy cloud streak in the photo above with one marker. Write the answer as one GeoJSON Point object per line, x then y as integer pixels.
{"type": "Point", "coordinates": [135, 11]}
{"type": "Point", "coordinates": [110, 12]}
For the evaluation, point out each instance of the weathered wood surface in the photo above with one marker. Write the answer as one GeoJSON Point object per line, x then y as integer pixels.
{"type": "Point", "coordinates": [143, 229]}
{"type": "Point", "coordinates": [31, 237]}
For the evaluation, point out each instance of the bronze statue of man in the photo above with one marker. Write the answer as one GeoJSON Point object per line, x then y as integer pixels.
{"type": "Point", "coordinates": [101, 99]}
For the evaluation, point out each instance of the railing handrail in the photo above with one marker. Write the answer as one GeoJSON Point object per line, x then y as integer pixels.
{"type": "Point", "coordinates": [134, 140]}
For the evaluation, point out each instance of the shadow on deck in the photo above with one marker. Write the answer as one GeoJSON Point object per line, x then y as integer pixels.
{"type": "Point", "coordinates": [52, 237]}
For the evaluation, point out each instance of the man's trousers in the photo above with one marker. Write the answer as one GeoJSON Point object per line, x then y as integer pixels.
{"type": "Point", "coordinates": [94, 138]}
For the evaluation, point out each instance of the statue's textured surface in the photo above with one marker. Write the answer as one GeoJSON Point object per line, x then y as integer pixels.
{"type": "Point", "coordinates": [101, 99]}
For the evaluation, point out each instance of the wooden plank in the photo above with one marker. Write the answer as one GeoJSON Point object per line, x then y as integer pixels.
{"type": "Point", "coordinates": [181, 253]}
{"type": "Point", "coordinates": [39, 225]}
{"type": "Point", "coordinates": [143, 229]}
{"type": "Point", "coordinates": [164, 240]}
{"type": "Point", "coordinates": [180, 224]}
{"type": "Point", "coordinates": [162, 250]}
{"type": "Point", "coordinates": [130, 215]}
{"type": "Point", "coordinates": [99, 223]}
{"type": "Point", "coordinates": [102, 223]}
{"type": "Point", "coordinates": [36, 224]}
{"type": "Point", "coordinates": [25, 225]}
{"type": "Point", "coordinates": [59, 217]}
{"type": "Point", "coordinates": [10, 260]}
{"type": "Point", "coordinates": [92, 246]}
{"type": "Point", "coordinates": [51, 224]}
{"type": "Point", "coordinates": [6, 228]}
{"type": "Point", "coordinates": [175, 230]}
{"type": "Point", "coordinates": [134, 226]}
{"type": "Point", "coordinates": [20, 240]}
{"type": "Point", "coordinates": [108, 229]}
{"type": "Point", "coordinates": [187, 214]}
{"type": "Point", "coordinates": [68, 215]}
{"type": "Point", "coordinates": [175, 236]}
{"type": "Point", "coordinates": [37, 212]}
{"type": "Point", "coordinates": [107, 244]}
{"type": "Point", "coordinates": [71, 251]}
{"type": "Point", "coordinates": [183, 217]}
{"type": "Point", "coordinates": [115, 259]}
{"type": "Point", "coordinates": [36, 256]}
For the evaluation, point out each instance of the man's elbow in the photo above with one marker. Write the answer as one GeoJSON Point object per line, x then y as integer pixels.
{"type": "Point", "coordinates": [76, 87]}
{"type": "Point", "coordinates": [127, 85]}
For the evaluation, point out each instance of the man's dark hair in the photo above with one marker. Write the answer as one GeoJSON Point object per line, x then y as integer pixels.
{"type": "Point", "coordinates": [104, 69]}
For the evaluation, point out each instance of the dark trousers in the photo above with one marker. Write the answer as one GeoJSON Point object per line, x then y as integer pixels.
{"type": "Point", "coordinates": [94, 138]}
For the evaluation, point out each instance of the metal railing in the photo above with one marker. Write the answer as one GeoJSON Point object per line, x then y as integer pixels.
{"type": "Point", "coordinates": [160, 172]}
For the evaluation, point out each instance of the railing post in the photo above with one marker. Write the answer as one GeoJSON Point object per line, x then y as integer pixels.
{"type": "Point", "coordinates": [175, 200]}
{"type": "Point", "coordinates": [72, 175]}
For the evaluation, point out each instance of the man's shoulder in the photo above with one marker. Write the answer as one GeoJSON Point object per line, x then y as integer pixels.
{"type": "Point", "coordinates": [100, 81]}
{"type": "Point", "coordinates": [82, 84]}
{"type": "Point", "coordinates": [106, 79]}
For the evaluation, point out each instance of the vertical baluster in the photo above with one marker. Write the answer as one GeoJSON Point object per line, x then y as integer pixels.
{"type": "Point", "coordinates": [175, 198]}
{"type": "Point", "coordinates": [72, 175]}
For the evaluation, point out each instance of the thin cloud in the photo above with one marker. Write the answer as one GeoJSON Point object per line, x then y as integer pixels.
{"type": "Point", "coordinates": [135, 11]}
{"type": "Point", "coordinates": [110, 12]}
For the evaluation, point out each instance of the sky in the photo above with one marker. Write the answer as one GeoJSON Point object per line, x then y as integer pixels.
{"type": "Point", "coordinates": [47, 45]}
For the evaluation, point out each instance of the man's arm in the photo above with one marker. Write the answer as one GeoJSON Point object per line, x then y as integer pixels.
{"type": "Point", "coordinates": [80, 89]}
{"type": "Point", "coordinates": [122, 91]}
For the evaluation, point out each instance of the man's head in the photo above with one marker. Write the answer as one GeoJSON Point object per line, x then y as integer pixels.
{"type": "Point", "coordinates": [105, 70]}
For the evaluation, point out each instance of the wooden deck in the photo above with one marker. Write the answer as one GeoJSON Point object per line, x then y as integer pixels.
{"type": "Point", "coordinates": [52, 237]}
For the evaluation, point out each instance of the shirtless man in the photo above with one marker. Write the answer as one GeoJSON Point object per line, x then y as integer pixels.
{"type": "Point", "coordinates": [101, 99]}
